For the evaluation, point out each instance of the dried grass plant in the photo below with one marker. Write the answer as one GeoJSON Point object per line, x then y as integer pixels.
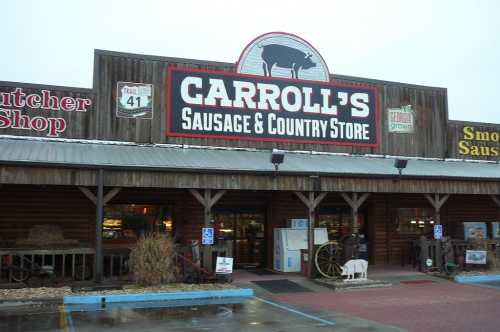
{"type": "Point", "coordinates": [152, 260]}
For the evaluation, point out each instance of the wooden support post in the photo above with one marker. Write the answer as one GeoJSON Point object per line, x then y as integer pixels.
{"type": "Point", "coordinates": [99, 201]}
{"type": "Point", "coordinates": [437, 202]}
{"type": "Point", "coordinates": [207, 201]}
{"type": "Point", "coordinates": [355, 203]}
{"type": "Point", "coordinates": [311, 203]}
{"type": "Point", "coordinates": [98, 227]}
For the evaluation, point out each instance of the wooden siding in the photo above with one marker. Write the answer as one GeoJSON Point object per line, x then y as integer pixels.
{"type": "Point", "coordinates": [429, 104]}
{"type": "Point", "coordinates": [25, 206]}
{"type": "Point", "coordinates": [114, 178]}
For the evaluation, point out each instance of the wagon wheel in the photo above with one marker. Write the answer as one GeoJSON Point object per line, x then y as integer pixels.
{"type": "Point", "coordinates": [19, 274]}
{"type": "Point", "coordinates": [326, 260]}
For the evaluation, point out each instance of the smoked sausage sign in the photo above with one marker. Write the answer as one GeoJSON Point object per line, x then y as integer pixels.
{"type": "Point", "coordinates": [278, 100]}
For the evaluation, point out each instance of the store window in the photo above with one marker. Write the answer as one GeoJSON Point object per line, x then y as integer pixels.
{"type": "Point", "coordinates": [130, 221]}
{"type": "Point", "coordinates": [414, 220]}
{"type": "Point", "coordinates": [338, 223]}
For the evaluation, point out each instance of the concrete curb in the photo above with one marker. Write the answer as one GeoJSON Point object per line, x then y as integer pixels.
{"type": "Point", "coordinates": [161, 296]}
{"type": "Point", "coordinates": [480, 278]}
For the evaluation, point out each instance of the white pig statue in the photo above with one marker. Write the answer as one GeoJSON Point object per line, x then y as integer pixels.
{"type": "Point", "coordinates": [354, 266]}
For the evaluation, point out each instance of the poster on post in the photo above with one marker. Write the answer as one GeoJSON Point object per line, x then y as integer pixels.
{"type": "Point", "coordinates": [495, 230]}
{"type": "Point", "coordinates": [475, 231]}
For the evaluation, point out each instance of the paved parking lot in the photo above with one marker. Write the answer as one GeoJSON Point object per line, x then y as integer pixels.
{"type": "Point", "coordinates": [256, 314]}
{"type": "Point", "coordinates": [416, 302]}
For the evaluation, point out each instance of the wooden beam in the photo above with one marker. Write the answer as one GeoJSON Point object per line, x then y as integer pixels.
{"type": "Point", "coordinates": [362, 199]}
{"type": "Point", "coordinates": [348, 200]}
{"type": "Point", "coordinates": [109, 196]}
{"type": "Point", "coordinates": [318, 199]}
{"type": "Point", "coordinates": [89, 194]}
{"type": "Point", "coordinates": [198, 196]}
{"type": "Point", "coordinates": [112, 193]}
{"type": "Point", "coordinates": [216, 197]}
{"type": "Point", "coordinates": [496, 200]}
{"type": "Point", "coordinates": [303, 199]}
{"type": "Point", "coordinates": [355, 202]}
{"type": "Point", "coordinates": [437, 202]}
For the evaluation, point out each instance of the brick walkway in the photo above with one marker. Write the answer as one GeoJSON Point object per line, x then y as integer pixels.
{"type": "Point", "coordinates": [441, 306]}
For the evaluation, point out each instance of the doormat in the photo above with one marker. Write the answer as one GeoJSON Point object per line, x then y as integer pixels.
{"type": "Point", "coordinates": [261, 272]}
{"type": "Point", "coordinates": [417, 282]}
{"type": "Point", "coordinates": [281, 286]}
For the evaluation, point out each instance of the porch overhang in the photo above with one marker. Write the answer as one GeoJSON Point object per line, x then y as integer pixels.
{"type": "Point", "coordinates": [75, 162]}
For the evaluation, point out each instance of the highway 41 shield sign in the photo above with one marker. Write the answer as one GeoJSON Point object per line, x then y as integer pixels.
{"type": "Point", "coordinates": [134, 100]}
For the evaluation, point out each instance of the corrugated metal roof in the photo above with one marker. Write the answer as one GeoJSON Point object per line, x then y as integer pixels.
{"type": "Point", "coordinates": [165, 157]}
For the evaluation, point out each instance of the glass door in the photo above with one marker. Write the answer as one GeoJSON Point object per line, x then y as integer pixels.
{"type": "Point", "coordinates": [247, 231]}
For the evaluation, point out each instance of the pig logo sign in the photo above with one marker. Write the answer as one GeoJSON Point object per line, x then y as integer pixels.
{"type": "Point", "coordinates": [278, 54]}
{"type": "Point", "coordinates": [281, 92]}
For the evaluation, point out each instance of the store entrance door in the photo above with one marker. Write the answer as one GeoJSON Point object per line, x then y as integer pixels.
{"type": "Point", "coordinates": [247, 232]}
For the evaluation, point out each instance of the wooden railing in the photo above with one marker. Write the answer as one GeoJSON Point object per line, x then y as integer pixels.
{"type": "Point", "coordinates": [115, 263]}
{"type": "Point", "coordinates": [77, 264]}
{"type": "Point", "coordinates": [74, 263]}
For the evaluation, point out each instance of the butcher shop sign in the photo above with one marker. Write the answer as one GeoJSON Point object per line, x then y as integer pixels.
{"type": "Point", "coordinates": [281, 91]}
{"type": "Point", "coordinates": [38, 112]}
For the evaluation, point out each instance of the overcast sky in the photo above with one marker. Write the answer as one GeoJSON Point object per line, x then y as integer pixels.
{"type": "Point", "coordinates": [451, 44]}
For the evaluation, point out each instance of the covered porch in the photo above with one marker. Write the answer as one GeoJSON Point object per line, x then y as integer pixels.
{"type": "Point", "coordinates": [81, 185]}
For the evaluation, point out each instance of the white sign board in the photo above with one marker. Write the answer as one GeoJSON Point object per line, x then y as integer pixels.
{"type": "Point", "coordinates": [475, 257]}
{"type": "Point", "coordinates": [224, 265]}
{"type": "Point", "coordinates": [207, 236]}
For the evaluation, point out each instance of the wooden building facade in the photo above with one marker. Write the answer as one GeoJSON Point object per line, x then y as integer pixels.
{"type": "Point", "coordinates": [59, 185]}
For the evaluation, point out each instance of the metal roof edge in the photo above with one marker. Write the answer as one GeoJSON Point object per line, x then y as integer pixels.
{"type": "Point", "coordinates": [222, 148]}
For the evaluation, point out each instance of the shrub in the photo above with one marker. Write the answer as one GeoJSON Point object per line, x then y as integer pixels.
{"type": "Point", "coordinates": [152, 260]}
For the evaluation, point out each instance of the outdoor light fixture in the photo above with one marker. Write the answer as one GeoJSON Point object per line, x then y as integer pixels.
{"type": "Point", "coordinates": [277, 158]}
{"type": "Point", "coordinates": [400, 164]}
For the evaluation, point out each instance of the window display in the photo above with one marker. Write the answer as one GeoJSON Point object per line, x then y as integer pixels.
{"type": "Point", "coordinates": [130, 221]}
{"type": "Point", "coordinates": [414, 220]}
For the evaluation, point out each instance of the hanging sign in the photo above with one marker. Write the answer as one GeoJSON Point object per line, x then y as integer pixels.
{"type": "Point", "coordinates": [401, 120]}
{"type": "Point", "coordinates": [224, 265]}
{"type": "Point", "coordinates": [207, 236]}
{"type": "Point", "coordinates": [134, 100]}
{"type": "Point", "coordinates": [281, 92]}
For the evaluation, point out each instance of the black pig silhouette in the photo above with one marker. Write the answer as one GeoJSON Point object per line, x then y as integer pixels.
{"type": "Point", "coordinates": [285, 57]}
